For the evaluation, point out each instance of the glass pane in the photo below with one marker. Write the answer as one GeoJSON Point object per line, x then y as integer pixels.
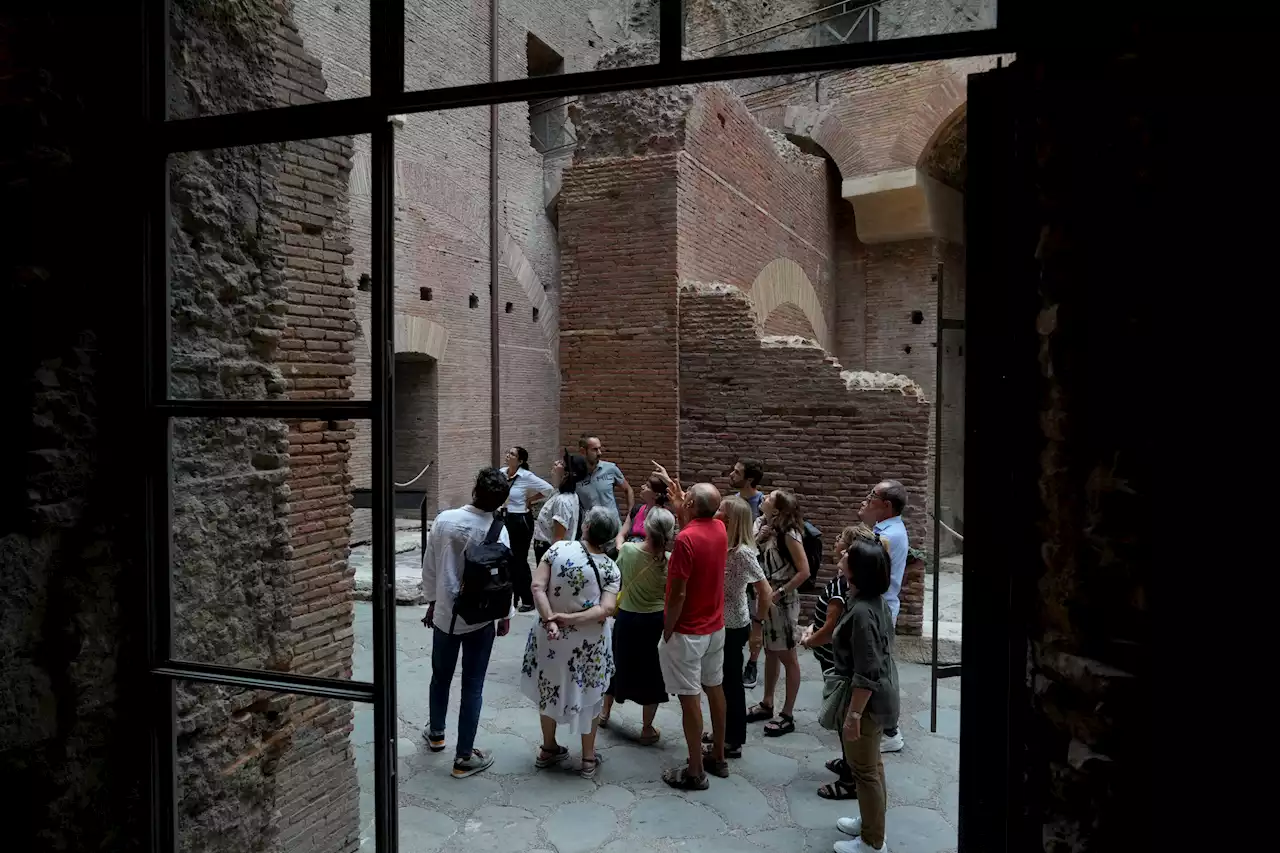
{"type": "Point", "coordinates": [262, 523]}
{"type": "Point", "coordinates": [542, 38]}
{"type": "Point", "coordinates": [264, 771]}
{"type": "Point", "coordinates": [720, 29]}
{"type": "Point", "coordinates": [238, 57]}
{"type": "Point", "coordinates": [269, 271]}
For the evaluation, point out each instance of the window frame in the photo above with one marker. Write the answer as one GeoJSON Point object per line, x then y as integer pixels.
{"type": "Point", "coordinates": [375, 115]}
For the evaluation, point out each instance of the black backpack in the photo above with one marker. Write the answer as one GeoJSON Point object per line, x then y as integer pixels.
{"type": "Point", "coordinates": [486, 590]}
{"type": "Point", "coordinates": [811, 541]}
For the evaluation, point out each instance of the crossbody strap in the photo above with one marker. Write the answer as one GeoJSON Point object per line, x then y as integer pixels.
{"type": "Point", "coordinates": [599, 583]}
{"type": "Point", "coordinates": [495, 529]}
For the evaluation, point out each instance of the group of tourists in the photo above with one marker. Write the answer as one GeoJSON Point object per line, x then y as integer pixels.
{"type": "Point", "coordinates": [667, 598]}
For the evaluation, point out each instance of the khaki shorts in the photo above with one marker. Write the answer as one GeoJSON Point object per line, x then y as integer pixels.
{"type": "Point", "coordinates": [692, 661]}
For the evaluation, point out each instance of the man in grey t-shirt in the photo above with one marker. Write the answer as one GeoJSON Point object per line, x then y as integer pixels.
{"type": "Point", "coordinates": [597, 488]}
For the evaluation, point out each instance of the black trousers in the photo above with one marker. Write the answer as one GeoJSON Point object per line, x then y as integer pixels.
{"type": "Point", "coordinates": [735, 695]}
{"type": "Point", "coordinates": [520, 531]}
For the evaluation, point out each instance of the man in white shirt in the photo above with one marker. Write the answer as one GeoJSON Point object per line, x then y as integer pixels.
{"type": "Point", "coordinates": [442, 563]}
{"type": "Point", "coordinates": [882, 509]}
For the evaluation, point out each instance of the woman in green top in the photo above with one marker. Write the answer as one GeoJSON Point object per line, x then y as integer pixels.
{"type": "Point", "coordinates": [638, 621]}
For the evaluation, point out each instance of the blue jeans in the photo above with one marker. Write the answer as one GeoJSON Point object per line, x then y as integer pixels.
{"type": "Point", "coordinates": [476, 647]}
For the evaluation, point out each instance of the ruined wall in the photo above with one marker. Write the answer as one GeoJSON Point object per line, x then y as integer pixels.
{"type": "Point", "coordinates": [1090, 134]}
{"type": "Point", "coordinates": [619, 348]}
{"type": "Point", "coordinates": [261, 508]}
{"type": "Point", "coordinates": [748, 197]}
{"type": "Point", "coordinates": [786, 403]}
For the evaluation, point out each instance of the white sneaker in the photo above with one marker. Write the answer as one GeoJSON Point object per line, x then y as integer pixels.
{"type": "Point", "coordinates": [857, 845]}
{"type": "Point", "coordinates": [850, 826]}
{"type": "Point", "coordinates": [892, 744]}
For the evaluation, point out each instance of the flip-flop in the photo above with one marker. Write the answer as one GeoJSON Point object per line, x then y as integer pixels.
{"type": "Point", "coordinates": [650, 740]}
{"type": "Point", "coordinates": [838, 790]}
{"type": "Point", "coordinates": [552, 759]}
{"type": "Point", "coordinates": [679, 778]}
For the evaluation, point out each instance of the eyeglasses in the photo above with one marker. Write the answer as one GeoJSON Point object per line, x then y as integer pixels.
{"type": "Point", "coordinates": [872, 496]}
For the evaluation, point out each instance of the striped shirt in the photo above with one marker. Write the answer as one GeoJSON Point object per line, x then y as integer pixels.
{"type": "Point", "coordinates": [836, 590]}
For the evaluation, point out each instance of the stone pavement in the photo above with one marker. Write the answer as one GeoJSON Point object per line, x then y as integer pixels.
{"type": "Point", "coordinates": [769, 804]}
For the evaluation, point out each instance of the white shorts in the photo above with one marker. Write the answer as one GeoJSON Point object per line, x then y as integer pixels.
{"type": "Point", "coordinates": [692, 661]}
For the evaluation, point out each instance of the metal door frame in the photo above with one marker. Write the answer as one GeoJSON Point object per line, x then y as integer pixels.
{"type": "Point", "coordinates": [371, 115]}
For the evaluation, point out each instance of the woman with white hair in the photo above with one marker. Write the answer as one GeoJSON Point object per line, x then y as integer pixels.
{"type": "Point", "coordinates": [568, 660]}
{"type": "Point", "coordinates": [638, 625]}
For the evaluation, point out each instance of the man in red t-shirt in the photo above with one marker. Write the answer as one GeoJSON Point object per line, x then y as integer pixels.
{"type": "Point", "coordinates": [692, 649]}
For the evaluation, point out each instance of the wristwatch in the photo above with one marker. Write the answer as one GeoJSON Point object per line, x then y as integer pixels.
{"type": "Point", "coordinates": [757, 621]}
{"type": "Point", "coordinates": [857, 715]}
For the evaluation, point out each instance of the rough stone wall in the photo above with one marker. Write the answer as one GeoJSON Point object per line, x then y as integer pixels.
{"type": "Point", "coordinates": [1091, 133]}
{"type": "Point", "coordinates": [619, 328]}
{"type": "Point", "coordinates": [262, 309]}
{"type": "Point", "coordinates": [417, 421]}
{"type": "Point", "coordinates": [748, 197]}
{"type": "Point", "coordinates": [784, 402]}
{"type": "Point", "coordinates": [70, 536]}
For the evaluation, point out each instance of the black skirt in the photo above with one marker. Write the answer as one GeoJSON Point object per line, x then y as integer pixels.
{"type": "Point", "coordinates": [635, 653]}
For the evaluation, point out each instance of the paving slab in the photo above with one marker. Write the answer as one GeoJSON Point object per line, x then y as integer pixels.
{"type": "Point", "coordinates": [768, 805]}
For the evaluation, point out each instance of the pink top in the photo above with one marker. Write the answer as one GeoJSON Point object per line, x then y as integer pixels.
{"type": "Point", "coordinates": [637, 528]}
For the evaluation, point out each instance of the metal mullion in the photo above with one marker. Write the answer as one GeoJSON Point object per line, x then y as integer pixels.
{"type": "Point", "coordinates": [159, 702]}
{"type": "Point", "coordinates": [256, 679]}
{"type": "Point", "coordinates": [670, 32]}
{"type": "Point", "coordinates": [315, 410]}
{"type": "Point", "coordinates": [357, 115]}
{"type": "Point", "coordinates": [386, 832]}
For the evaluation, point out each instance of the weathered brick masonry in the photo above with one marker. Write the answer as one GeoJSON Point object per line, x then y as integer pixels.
{"type": "Point", "coordinates": [262, 507]}
{"type": "Point", "coordinates": [785, 403]}
{"type": "Point", "coordinates": [619, 345]}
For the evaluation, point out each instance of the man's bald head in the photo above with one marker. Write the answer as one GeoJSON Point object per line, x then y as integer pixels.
{"type": "Point", "coordinates": [706, 500]}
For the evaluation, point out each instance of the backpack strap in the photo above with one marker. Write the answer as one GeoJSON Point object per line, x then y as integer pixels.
{"type": "Point", "coordinates": [495, 529]}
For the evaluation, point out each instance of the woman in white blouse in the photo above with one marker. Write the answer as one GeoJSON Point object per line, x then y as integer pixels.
{"type": "Point", "coordinates": [526, 487]}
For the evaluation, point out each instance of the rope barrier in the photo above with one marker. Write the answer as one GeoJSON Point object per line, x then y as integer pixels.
{"type": "Point", "coordinates": [417, 478]}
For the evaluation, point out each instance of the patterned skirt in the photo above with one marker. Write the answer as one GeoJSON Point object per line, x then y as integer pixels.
{"type": "Point", "coordinates": [566, 677]}
{"type": "Point", "coordinates": [782, 625]}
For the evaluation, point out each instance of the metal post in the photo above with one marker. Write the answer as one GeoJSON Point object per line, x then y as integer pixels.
{"type": "Point", "coordinates": [387, 64]}
{"type": "Point", "coordinates": [937, 498]}
{"type": "Point", "coordinates": [495, 371]}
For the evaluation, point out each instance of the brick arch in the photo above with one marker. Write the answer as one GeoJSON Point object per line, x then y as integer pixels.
{"type": "Point", "coordinates": [921, 129]}
{"type": "Point", "coordinates": [415, 182]}
{"type": "Point", "coordinates": [784, 281]}
{"type": "Point", "coordinates": [817, 124]}
{"type": "Point", "coordinates": [420, 336]}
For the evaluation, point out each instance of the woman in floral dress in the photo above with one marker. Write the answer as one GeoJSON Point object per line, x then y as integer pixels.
{"type": "Point", "coordinates": [568, 660]}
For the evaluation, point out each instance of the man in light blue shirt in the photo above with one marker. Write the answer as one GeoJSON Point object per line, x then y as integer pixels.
{"type": "Point", "coordinates": [597, 488]}
{"type": "Point", "coordinates": [882, 509]}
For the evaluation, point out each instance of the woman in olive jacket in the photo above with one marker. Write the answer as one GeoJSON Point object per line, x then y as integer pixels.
{"type": "Point", "coordinates": [863, 647]}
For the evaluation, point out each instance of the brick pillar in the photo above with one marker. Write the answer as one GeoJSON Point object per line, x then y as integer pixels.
{"type": "Point", "coordinates": [618, 311]}
{"type": "Point", "coordinates": [911, 600]}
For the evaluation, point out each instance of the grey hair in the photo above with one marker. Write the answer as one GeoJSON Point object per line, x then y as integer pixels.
{"type": "Point", "coordinates": [660, 525]}
{"type": "Point", "coordinates": [599, 526]}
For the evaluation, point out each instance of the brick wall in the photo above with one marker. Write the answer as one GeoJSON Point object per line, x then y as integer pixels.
{"type": "Point", "coordinates": [318, 792]}
{"type": "Point", "coordinates": [619, 316]}
{"type": "Point", "coordinates": [788, 319]}
{"type": "Point", "coordinates": [416, 422]}
{"type": "Point", "coordinates": [786, 405]}
{"type": "Point", "coordinates": [951, 395]}
{"type": "Point", "coordinates": [747, 197]}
